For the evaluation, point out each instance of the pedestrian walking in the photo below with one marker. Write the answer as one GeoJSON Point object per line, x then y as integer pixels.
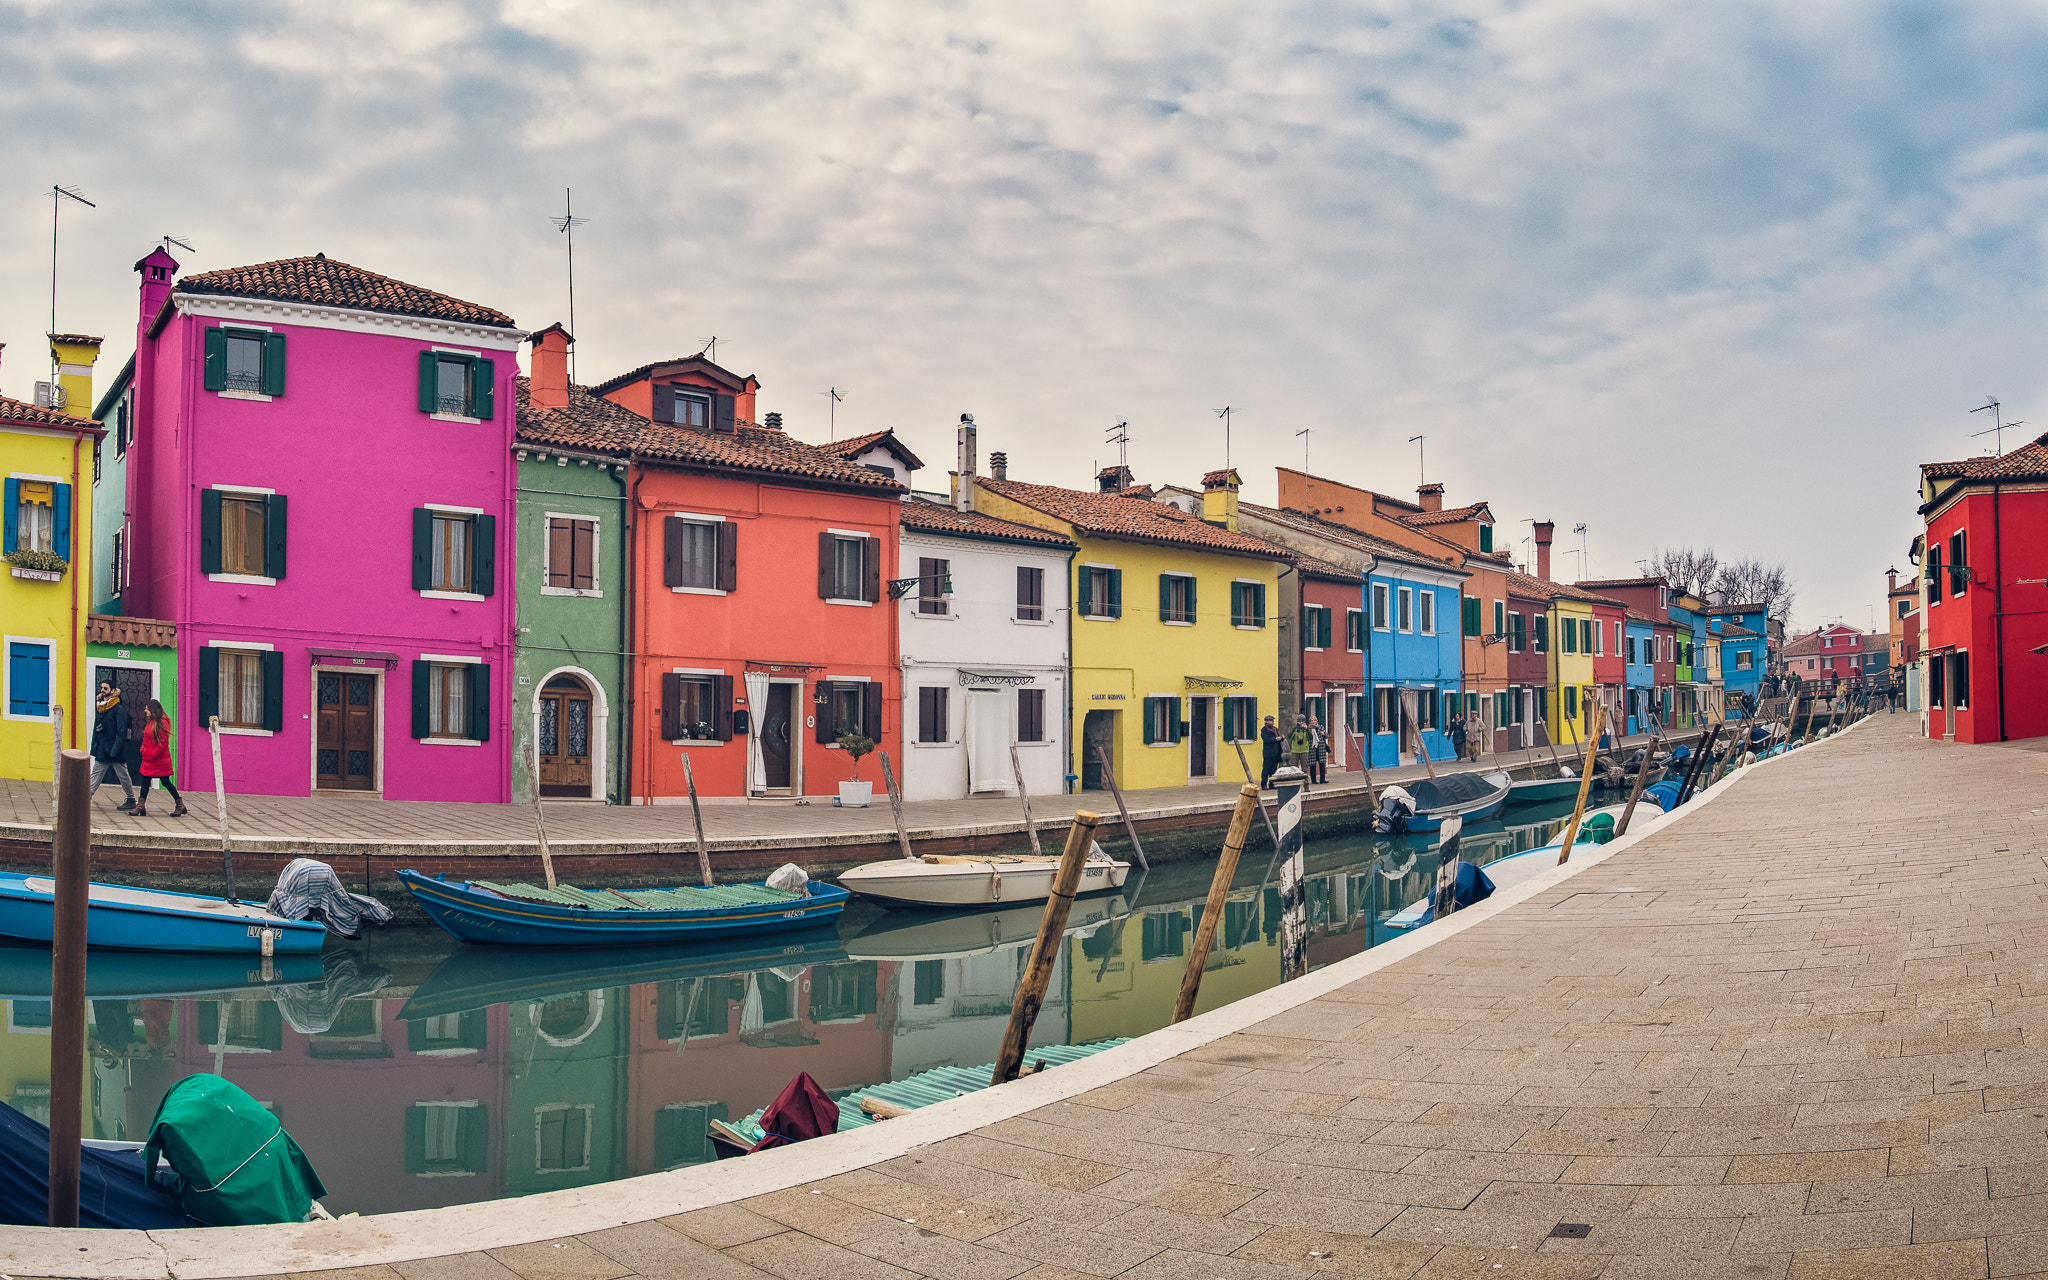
{"type": "Point", "coordinates": [1269, 748]}
{"type": "Point", "coordinates": [1319, 749]}
{"type": "Point", "coordinates": [1458, 736]}
{"type": "Point", "coordinates": [156, 759]}
{"type": "Point", "coordinates": [110, 743]}
{"type": "Point", "coordinates": [1300, 744]}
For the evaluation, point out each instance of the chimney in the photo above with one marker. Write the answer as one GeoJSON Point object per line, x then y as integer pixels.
{"type": "Point", "coordinates": [1219, 498]}
{"type": "Point", "coordinates": [158, 271]}
{"type": "Point", "coordinates": [963, 480]}
{"type": "Point", "coordinates": [3, 351]}
{"type": "Point", "coordinates": [75, 355]}
{"type": "Point", "coordinates": [774, 422]}
{"type": "Point", "coordinates": [999, 465]}
{"type": "Point", "coordinates": [1430, 497]}
{"type": "Point", "coordinates": [1891, 580]}
{"type": "Point", "coordinates": [1114, 479]}
{"type": "Point", "coordinates": [1544, 529]}
{"type": "Point", "coordinates": [547, 384]}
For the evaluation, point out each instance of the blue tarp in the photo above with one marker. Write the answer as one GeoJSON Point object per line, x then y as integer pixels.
{"type": "Point", "coordinates": [111, 1191]}
{"type": "Point", "coordinates": [1665, 793]}
{"type": "Point", "coordinates": [1472, 886]}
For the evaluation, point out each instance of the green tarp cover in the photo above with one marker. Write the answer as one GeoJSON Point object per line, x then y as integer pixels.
{"type": "Point", "coordinates": [237, 1164]}
{"type": "Point", "coordinates": [686, 898]}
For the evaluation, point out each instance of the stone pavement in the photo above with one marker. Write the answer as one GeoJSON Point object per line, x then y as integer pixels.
{"type": "Point", "coordinates": [1799, 1032]}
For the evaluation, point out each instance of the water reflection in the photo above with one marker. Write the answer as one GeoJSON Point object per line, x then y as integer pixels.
{"type": "Point", "coordinates": [419, 1074]}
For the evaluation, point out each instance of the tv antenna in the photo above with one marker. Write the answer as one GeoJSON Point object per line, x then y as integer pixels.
{"type": "Point", "coordinates": [1303, 434]}
{"type": "Point", "coordinates": [567, 224]}
{"type": "Point", "coordinates": [58, 195]}
{"type": "Point", "coordinates": [1584, 559]}
{"type": "Point", "coordinates": [832, 401]}
{"type": "Point", "coordinates": [1120, 436]}
{"type": "Point", "coordinates": [1996, 430]}
{"type": "Point", "coordinates": [710, 349]}
{"type": "Point", "coordinates": [168, 241]}
{"type": "Point", "coordinates": [1224, 413]}
{"type": "Point", "coordinates": [1421, 475]}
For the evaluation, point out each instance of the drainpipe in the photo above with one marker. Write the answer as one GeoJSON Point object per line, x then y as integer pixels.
{"type": "Point", "coordinates": [1998, 608]}
{"type": "Point", "coordinates": [1372, 692]}
{"type": "Point", "coordinates": [631, 685]}
{"type": "Point", "coordinates": [78, 558]}
{"type": "Point", "coordinates": [1071, 770]}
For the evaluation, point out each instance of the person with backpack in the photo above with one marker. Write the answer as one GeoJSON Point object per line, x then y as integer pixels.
{"type": "Point", "coordinates": [1301, 745]}
{"type": "Point", "coordinates": [156, 759]}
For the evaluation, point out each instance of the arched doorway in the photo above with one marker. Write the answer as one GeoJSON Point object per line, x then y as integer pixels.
{"type": "Point", "coordinates": [565, 736]}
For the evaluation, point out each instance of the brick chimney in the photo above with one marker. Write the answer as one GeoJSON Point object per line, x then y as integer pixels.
{"type": "Point", "coordinates": [963, 476]}
{"type": "Point", "coordinates": [1544, 530]}
{"type": "Point", "coordinates": [1430, 497]}
{"type": "Point", "coordinates": [999, 465]}
{"type": "Point", "coordinates": [1114, 479]}
{"type": "Point", "coordinates": [159, 272]}
{"type": "Point", "coordinates": [548, 372]}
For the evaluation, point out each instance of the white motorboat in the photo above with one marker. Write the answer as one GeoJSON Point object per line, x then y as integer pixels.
{"type": "Point", "coordinates": [953, 880]}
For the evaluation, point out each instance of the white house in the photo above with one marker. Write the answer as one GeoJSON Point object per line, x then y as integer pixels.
{"type": "Point", "coordinates": [983, 639]}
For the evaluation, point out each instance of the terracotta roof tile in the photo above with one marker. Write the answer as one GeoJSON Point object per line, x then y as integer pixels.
{"type": "Point", "coordinates": [327, 282]}
{"type": "Point", "coordinates": [146, 633]}
{"type": "Point", "coordinates": [885, 438]}
{"type": "Point", "coordinates": [1110, 515]}
{"type": "Point", "coordinates": [1346, 536]}
{"type": "Point", "coordinates": [1538, 588]}
{"type": "Point", "coordinates": [22, 411]}
{"type": "Point", "coordinates": [1221, 477]}
{"type": "Point", "coordinates": [1449, 515]}
{"type": "Point", "coordinates": [2028, 462]}
{"type": "Point", "coordinates": [1623, 582]}
{"type": "Point", "coordinates": [1315, 568]}
{"type": "Point", "coordinates": [1729, 631]}
{"type": "Point", "coordinates": [698, 363]}
{"type": "Point", "coordinates": [926, 516]}
{"type": "Point", "coordinates": [594, 424]}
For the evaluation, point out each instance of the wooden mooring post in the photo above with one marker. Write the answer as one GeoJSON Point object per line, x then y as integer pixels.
{"type": "Point", "coordinates": [540, 827]}
{"type": "Point", "coordinates": [1045, 950]}
{"type": "Point", "coordinates": [697, 816]}
{"type": "Point", "coordinates": [1292, 784]}
{"type": "Point", "coordinates": [1219, 893]}
{"type": "Point", "coordinates": [1024, 797]}
{"type": "Point", "coordinates": [71, 869]}
{"type": "Point", "coordinates": [1571, 831]}
{"type": "Point", "coordinates": [220, 808]}
{"type": "Point", "coordinates": [1117, 793]}
{"type": "Point", "coordinates": [895, 803]}
{"type": "Point", "coordinates": [1252, 778]}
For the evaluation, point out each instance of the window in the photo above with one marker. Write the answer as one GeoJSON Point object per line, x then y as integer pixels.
{"type": "Point", "coordinates": [1354, 630]}
{"type": "Point", "coordinates": [1031, 715]}
{"type": "Point", "coordinates": [246, 362]}
{"type": "Point", "coordinates": [1586, 635]}
{"type": "Point", "coordinates": [1404, 609]}
{"type": "Point", "coordinates": [849, 557]}
{"type": "Point", "coordinates": [1634, 655]}
{"type": "Point", "coordinates": [1571, 702]}
{"type": "Point", "coordinates": [241, 535]}
{"type": "Point", "coordinates": [1425, 710]}
{"type": "Point", "coordinates": [1514, 633]}
{"type": "Point", "coordinates": [454, 551]}
{"type": "Point", "coordinates": [448, 1033]}
{"type": "Point", "coordinates": [1958, 566]}
{"type": "Point", "coordinates": [1248, 604]}
{"type": "Point", "coordinates": [28, 679]}
{"type": "Point", "coordinates": [1386, 712]}
{"type": "Point", "coordinates": [1102, 592]}
{"type": "Point", "coordinates": [1617, 639]}
{"type": "Point", "coordinates": [241, 689]}
{"type": "Point", "coordinates": [1470, 608]}
{"type": "Point", "coordinates": [1426, 612]}
{"type": "Point", "coordinates": [1379, 606]}
{"type": "Point", "coordinates": [692, 409]}
{"type": "Point", "coordinates": [1162, 721]}
{"type": "Point", "coordinates": [1315, 626]}
{"type": "Point", "coordinates": [849, 566]}
{"type": "Point", "coordinates": [848, 706]}
{"type": "Point", "coordinates": [1354, 712]}
{"type": "Point", "coordinates": [571, 554]}
{"type": "Point", "coordinates": [1599, 635]}
{"type": "Point", "coordinates": [457, 384]}
{"type": "Point", "coordinates": [452, 537]}
{"type": "Point", "coordinates": [1176, 597]}
{"type": "Point", "coordinates": [932, 721]}
{"type": "Point", "coordinates": [1500, 618]}
{"type": "Point", "coordinates": [1568, 631]}
{"type": "Point", "coordinates": [1934, 573]}
{"type": "Point", "coordinates": [1663, 597]}
{"type": "Point", "coordinates": [934, 584]}
{"type": "Point", "coordinates": [1937, 683]}
{"type": "Point", "coordinates": [1450, 707]}
{"type": "Point", "coordinates": [704, 408]}
{"type": "Point", "coordinates": [1542, 626]}
{"type": "Point", "coordinates": [448, 703]}
{"type": "Point", "coordinates": [1959, 681]}
{"type": "Point", "coordinates": [561, 1138]}
{"type": "Point", "coordinates": [1240, 719]}
{"type": "Point", "coordinates": [451, 700]}
{"type": "Point", "coordinates": [32, 515]}
{"type": "Point", "coordinates": [1030, 594]}
{"type": "Point", "coordinates": [696, 708]}
{"type": "Point", "coordinates": [701, 555]}
{"type": "Point", "coordinates": [1486, 537]}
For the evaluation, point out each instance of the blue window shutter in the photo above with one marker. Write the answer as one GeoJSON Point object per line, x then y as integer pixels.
{"type": "Point", "coordinates": [273, 364]}
{"type": "Point", "coordinates": [430, 382]}
{"type": "Point", "coordinates": [13, 504]}
{"type": "Point", "coordinates": [480, 701]}
{"type": "Point", "coordinates": [422, 689]}
{"type": "Point", "coordinates": [273, 691]}
{"type": "Point", "coordinates": [273, 536]}
{"type": "Point", "coordinates": [482, 388]}
{"type": "Point", "coordinates": [60, 539]}
{"type": "Point", "coordinates": [28, 679]}
{"type": "Point", "coordinates": [483, 556]}
{"type": "Point", "coordinates": [209, 531]}
{"type": "Point", "coordinates": [216, 374]}
{"type": "Point", "coordinates": [209, 685]}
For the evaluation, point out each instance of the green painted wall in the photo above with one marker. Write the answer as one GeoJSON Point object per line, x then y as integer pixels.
{"type": "Point", "coordinates": [165, 664]}
{"type": "Point", "coordinates": [578, 631]}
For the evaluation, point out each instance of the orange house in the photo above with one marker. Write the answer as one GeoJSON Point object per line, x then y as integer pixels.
{"type": "Point", "coordinates": [760, 625]}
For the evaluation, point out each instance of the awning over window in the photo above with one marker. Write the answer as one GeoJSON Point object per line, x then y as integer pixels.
{"type": "Point", "coordinates": [995, 677]}
{"type": "Point", "coordinates": [359, 657]}
{"type": "Point", "coordinates": [1212, 682]}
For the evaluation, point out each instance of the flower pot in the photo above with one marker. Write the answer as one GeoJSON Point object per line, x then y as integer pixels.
{"type": "Point", "coordinates": [37, 575]}
{"type": "Point", "coordinates": [856, 795]}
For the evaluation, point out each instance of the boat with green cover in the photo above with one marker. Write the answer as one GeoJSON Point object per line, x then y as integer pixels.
{"type": "Point", "coordinates": [566, 916]}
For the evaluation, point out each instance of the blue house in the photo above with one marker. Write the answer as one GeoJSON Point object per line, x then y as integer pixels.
{"type": "Point", "coordinates": [1745, 650]}
{"type": "Point", "coordinates": [1641, 677]}
{"type": "Point", "coordinates": [1413, 656]}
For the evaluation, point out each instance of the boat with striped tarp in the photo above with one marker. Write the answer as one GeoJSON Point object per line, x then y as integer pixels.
{"type": "Point", "coordinates": [567, 916]}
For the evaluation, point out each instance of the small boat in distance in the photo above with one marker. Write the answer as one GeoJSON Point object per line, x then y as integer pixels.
{"type": "Point", "coordinates": [126, 918]}
{"type": "Point", "coordinates": [1423, 806]}
{"type": "Point", "coordinates": [566, 916]}
{"type": "Point", "coordinates": [957, 880]}
{"type": "Point", "coordinates": [1542, 790]}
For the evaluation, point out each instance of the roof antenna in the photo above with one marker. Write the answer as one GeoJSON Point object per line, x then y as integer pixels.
{"type": "Point", "coordinates": [168, 241]}
{"type": "Point", "coordinates": [832, 400]}
{"type": "Point", "coordinates": [1584, 559]}
{"type": "Point", "coordinates": [58, 195]}
{"type": "Point", "coordinates": [1421, 472]}
{"type": "Point", "coordinates": [1996, 431]}
{"type": "Point", "coordinates": [1120, 436]}
{"type": "Point", "coordinates": [710, 349]}
{"type": "Point", "coordinates": [567, 224]}
{"type": "Point", "coordinates": [1224, 413]}
{"type": "Point", "coordinates": [1303, 434]}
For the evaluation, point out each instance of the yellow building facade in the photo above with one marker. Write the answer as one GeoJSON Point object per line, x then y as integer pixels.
{"type": "Point", "coordinates": [1571, 666]}
{"type": "Point", "coordinates": [46, 458]}
{"type": "Point", "coordinates": [1176, 635]}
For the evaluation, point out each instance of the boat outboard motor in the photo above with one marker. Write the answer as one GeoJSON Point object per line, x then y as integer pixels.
{"type": "Point", "coordinates": [1396, 807]}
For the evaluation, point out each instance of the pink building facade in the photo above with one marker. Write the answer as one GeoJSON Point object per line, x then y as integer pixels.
{"type": "Point", "coordinates": [320, 495]}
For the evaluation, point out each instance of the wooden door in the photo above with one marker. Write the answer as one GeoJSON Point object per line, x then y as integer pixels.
{"type": "Point", "coordinates": [1098, 741]}
{"type": "Point", "coordinates": [775, 737]}
{"type": "Point", "coordinates": [346, 753]}
{"type": "Point", "coordinates": [1200, 763]}
{"type": "Point", "coordinates": [565, 738]}
{"type": "Point", "coordinates": [134, 684]}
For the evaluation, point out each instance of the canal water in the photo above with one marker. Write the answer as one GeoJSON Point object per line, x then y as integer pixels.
{"type": "Point", "coordinates": [417, 1072]}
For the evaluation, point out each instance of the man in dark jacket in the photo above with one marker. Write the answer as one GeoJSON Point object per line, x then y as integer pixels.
{"type": "Point", "coordinates": [110, 743]}
{"type": "Point", "coordinates": [1270, 749]}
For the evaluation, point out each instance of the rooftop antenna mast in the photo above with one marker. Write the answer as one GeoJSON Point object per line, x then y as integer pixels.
{"type": "Point", "coordinates": [1120, 436]}
{"type": "Point", "coordinates": [1996, 431]}
{"type": "Point", "coordinates": [710, 349]}
{"type": "Point", "coordinates": [168, 241]}
{"type": "Point", "coordinates": [832, 402]}
{"type": "Point", "coordinates": [1584, 560]}
{"type": "Point", "coordinates": [1421, 471]}
{"type": "Point", "coordinates": [1224, 413]}
{"type": "Point", "coordinates": [1303, 434]}
{"type": "Point", "coordinates": [567, 224]}
{"type": "Point", "coordinates": [58, 195]}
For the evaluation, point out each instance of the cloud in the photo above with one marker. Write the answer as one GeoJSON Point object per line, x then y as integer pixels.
{"type": "Point", "coordinates": [1715, 274]}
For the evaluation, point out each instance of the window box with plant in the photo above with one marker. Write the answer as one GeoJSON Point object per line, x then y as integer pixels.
{"type": "Point", "coordinates": [855, 794]}
{"type": "Point", "coordinates": [38, 566]}
{"type": "Point", "coordinates": [37, 544]}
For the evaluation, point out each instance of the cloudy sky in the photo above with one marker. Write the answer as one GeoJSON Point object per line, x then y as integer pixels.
{"type": "Point", "coordinates": [1690, 274]}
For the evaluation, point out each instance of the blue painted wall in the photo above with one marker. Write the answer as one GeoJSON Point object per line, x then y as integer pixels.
{"type": "Point", "coordinates": [1640, 673]}
{"type": "Point", "coordinates": [1411, 659]}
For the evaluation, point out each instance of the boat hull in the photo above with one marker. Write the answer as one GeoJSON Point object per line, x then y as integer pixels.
{"type": "Point", "coordinates": [480, 917]}
{"type": "Point", "coordinates": [974, 884]}
{"type": "Point", "coordinates": [1542, 791]}
{"type": "Point", "coordinates": [1477, 812]}
{"type": "Point", "coordinates": [126, 918]}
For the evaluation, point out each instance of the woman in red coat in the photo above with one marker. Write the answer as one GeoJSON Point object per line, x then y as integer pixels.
{"type": "Point", "coordinates": [156, 759]}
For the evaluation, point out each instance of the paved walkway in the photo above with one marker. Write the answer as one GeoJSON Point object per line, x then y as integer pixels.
{"type": "Point", "coordinates": [334, 826]}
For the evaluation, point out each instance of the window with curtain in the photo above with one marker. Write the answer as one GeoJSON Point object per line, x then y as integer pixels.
{"type": "Point", "coordinates": [241, 689]}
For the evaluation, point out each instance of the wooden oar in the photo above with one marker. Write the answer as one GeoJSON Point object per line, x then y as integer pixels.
{"type": "Point", "coordinates": [1117, 793]}
{"type": "Point", "coordinates": [1571, 832]}
{"type": "Point", "coordinates": [540, 830]}
{"type": "Point", "coordinates": [697, 816]}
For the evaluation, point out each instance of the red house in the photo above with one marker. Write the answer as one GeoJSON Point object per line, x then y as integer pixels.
{"type": "Point", "coordinates": [1825, 655]}
{"type": "Point", "coordinates": [1985, 623]}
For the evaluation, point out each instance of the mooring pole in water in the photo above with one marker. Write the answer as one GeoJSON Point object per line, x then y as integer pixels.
{"type": "Point", "coordinates": [540, 829]}
{"type": "Point", "coordinates": [1571, 830]}
{"type": "Point", "coordinates": [1448, 858]}
{"type": "Point", "coordinates": [1219, 892]}
{"type": "Point", "coordinates": [895, 804]}
{"type": "Point", "coordinates": [1123, 811]}
{"type": "Point", "coordinates": [697, 816]}
{"type": "Point", "coordinates": [1045, 951]}
{"type": "Point", "coordinates": [1701, 765]}
{"type": "Point", "coordinates": [220, 808]}
{"type": "Point", "coordinates": [1250, 777]}
{"type": "Point", "coordinates": [1024, 795]}
{"type": "Point", "coordinates": [1291, 783]}
{"type": "Point", "coordinates": [71, 869]}
{"type": "Point", "coordinates": [56, 747]}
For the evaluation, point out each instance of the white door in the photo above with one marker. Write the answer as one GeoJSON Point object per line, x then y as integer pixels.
{"type": "Point", "coordinates": [1333, 725]}
{"type": "Point", "coordinates": [988, 741]}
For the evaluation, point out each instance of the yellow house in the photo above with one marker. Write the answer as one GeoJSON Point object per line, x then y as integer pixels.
{"type": "Point", "coordinates": [1175, 632]}
{"type": "Point", "coordinates": [1571, 664]}
{"type": "Point", "coordinates": [46, 457]}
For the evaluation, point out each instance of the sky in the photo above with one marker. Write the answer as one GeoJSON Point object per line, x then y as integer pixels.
{"type": "Point", "coordinates": [1691, 275]}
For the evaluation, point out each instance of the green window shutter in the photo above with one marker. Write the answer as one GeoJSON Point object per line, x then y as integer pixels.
{"type": "Point", "coordinates": [1147, 714]}
{"type": "Point", "coordinates": [422, 548]}
{"type": "Point", "coordinates": [1500, 618]}
{"type": "Point", "coordinates": [483, 556]}
{"type": "Point", "coordinates": [13, 505]}
{"type": "Point", "coordinates": [483, 393]}
{"type": "Point", "coordinates": [60, 519]}
{"type": "Point", "coordinates": [216, 373]}
{"type": "Point", "coordinates": [1486, 537]}
{"type": "Point", "coordinates": [430, 380]}
{"type": "Point", "coordinates": [1190, 614]}
{"type": "Point", "coordinates": [273, 691]}
{"type": "Point", "coordinates": [1165, 595]}
{"type": "Point", "coordinates": [1116, 593]}
{"type": "Point", "coordinates": [209, 530]}
{"type": "Point", "coordinates": [824, 711]}
{"type": "Point", "coordinates": [1258, 604]}
{"type": "Point", "coordinates": [1323, 621]}
{"type": "Point", "coordinates": [273, 364]}
{"type": "Point", "coordinates": [1085, 590]}
{"type": "Point", "coordinates": [209, 685]}
{"type": "Point", "coordinates": [1471, 609]}
{"type": "Point", "coordinates": [422, 689]}
{"type": "Point", "coordinates": [1172, 719]}
{"type": "Point", "coordinates": [479, 675]}
{"type": "Point", "coordinates": [273, 536]}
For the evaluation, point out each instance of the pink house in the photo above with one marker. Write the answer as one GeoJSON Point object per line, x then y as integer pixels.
{"type": "Point", "coordinates": [320, 496]}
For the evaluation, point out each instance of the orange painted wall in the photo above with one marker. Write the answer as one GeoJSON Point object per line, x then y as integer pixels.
{"type": "Point", "coordinates": [773, 615]}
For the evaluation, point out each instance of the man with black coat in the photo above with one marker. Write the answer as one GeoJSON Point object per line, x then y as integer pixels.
{"type": "Point", "coordinates": [1270, 747]}
{"type": "Point", "coordinates": [110, 743]}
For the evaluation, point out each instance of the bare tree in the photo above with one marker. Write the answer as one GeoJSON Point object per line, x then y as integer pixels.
{"type": "Point", "coordinates": [1748, 580]}
{"type": "Point", "coordinates": [1687, 570]}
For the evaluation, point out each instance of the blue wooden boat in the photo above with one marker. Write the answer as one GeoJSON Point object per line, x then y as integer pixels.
{"type": "Point", "coordinates": [1471, 797]}
{"type": "Point", "coordinates": [140, 975]}
{"type": "Point", "coordinates": [566, 916]}
{"type": "Point", "coordinates": [130, 919]}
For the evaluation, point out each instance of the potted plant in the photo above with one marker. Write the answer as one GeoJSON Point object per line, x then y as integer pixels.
{"type": "Point", "coordinates": [39, 566]}
{"type": "Point", "coordinates": [856, 794]}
